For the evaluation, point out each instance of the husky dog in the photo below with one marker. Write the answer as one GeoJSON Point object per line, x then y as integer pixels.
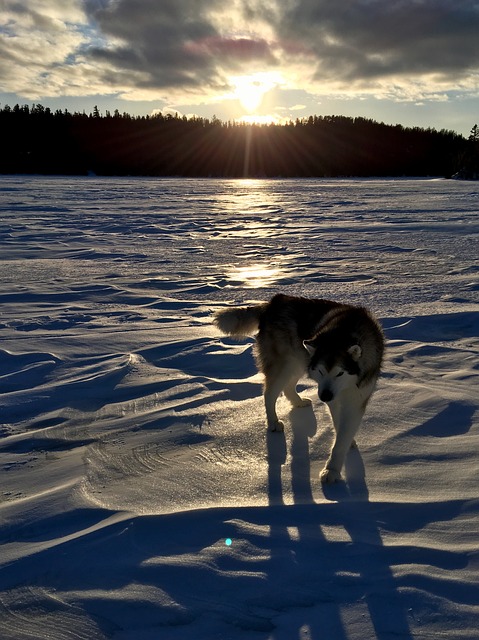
{"type": "Point", "coordinates": [340, 346]}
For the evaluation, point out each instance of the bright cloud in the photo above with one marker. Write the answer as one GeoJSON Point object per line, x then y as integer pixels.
{"type": "Point", "coordinates": [35, 41]}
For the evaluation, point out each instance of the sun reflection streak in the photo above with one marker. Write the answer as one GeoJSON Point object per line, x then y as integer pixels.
{"type": "Point", "coordinates": [254, 276]}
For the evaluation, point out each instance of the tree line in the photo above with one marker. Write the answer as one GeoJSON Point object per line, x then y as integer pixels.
{"type": "Point", "coordinates": [38, 140]}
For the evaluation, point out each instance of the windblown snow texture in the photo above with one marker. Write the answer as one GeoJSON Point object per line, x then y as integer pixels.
{"type": "Point", "coordinates": [141, 496]}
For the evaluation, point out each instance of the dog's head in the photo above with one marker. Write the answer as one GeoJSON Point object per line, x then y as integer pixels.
{"type": "Point", "coordinates": [333, 369]}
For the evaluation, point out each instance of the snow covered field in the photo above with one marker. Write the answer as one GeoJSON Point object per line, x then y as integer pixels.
{"type": "Point", "coordinates": [141, 497]}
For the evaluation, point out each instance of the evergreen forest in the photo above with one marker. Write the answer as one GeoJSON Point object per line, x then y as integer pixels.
{"type": "Point", "coordinates": [37, 140]}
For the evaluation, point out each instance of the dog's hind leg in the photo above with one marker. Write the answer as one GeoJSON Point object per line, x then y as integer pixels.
{"type": "Point", "coordinates": [275, 382]}
{"type": "Point", "coordinates": [347, 413]}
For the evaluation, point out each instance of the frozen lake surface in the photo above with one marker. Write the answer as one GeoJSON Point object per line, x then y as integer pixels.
{"type": "Point", "coordinates": [132, 441]}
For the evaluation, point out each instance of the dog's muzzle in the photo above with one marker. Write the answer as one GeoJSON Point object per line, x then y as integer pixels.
{"type": "Point", "coordinates": [326, 395]}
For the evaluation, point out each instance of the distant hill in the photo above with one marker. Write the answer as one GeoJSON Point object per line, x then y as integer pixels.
{"type": "Point", "coordinates": [37, 140]}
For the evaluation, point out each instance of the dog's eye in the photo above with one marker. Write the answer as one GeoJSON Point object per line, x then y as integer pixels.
{"type": "Point", "coordinates": [339, 374]}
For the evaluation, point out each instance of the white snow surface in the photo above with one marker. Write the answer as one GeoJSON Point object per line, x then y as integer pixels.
{"type": "Point", "coordinates": [141, 497]}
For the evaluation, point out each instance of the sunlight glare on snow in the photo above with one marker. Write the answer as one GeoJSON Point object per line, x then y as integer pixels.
{"type": "Point", "coordinates": [254, 275]}
{"type": "Point", "coordinates": [249, 196]}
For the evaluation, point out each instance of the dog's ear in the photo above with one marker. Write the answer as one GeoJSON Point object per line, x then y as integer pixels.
{"type": "Point", "coordinates": [309, 347]}
{"type": "Point", "coordinates": [355, 352]}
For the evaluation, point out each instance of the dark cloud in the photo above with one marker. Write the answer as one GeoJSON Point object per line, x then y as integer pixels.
{"type": "Point", "coordinates": [173, 43]}
{"type": "Point", "coordinates": [364, 39]}
{"type": "Point", "coordinates": [234, 50]}
{"type": "Point", "coordinates": [153, 36]}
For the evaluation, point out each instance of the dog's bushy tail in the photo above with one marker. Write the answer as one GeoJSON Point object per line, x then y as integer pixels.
{"type": "Point", "coordinates": [239, 321]}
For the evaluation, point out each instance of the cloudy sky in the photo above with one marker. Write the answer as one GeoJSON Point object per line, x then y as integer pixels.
{"type": "Point", "coordinates": [414, 62]}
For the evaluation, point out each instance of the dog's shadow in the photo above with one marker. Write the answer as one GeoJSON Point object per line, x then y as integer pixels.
{"type": "Point", "coordinates": [277, 455]}
{"type": "Point", "coordinates": [302, 427]}
{"type": "Point", "coordinates": [307, 460]}
{"type": "Point", "coordinates": [347, 506]}
{"type": "Point", "coordinates": [354, 486]}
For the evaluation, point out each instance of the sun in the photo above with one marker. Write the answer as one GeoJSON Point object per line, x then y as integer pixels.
{"type": "Point", "coordinates": [251, 89]}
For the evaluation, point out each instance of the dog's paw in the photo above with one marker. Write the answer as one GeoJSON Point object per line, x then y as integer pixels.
{"type": "Point", "coordinates": [302, 402]}
{"type": "Point", "coordinates": [277, 426]}
{"type": "Point", "coordinates": [329, 476]}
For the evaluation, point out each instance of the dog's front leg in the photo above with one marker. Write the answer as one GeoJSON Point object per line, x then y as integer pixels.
{"type": "Point", "coordinates": [347, 411]}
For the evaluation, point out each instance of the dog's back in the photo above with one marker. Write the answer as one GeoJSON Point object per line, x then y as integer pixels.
{"type": "Point", "coordinates": [284, 323]}
{"type": "Point", "coordinates": [297, 314]}
{"type": "Point", "coordinates": [281, 326]}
